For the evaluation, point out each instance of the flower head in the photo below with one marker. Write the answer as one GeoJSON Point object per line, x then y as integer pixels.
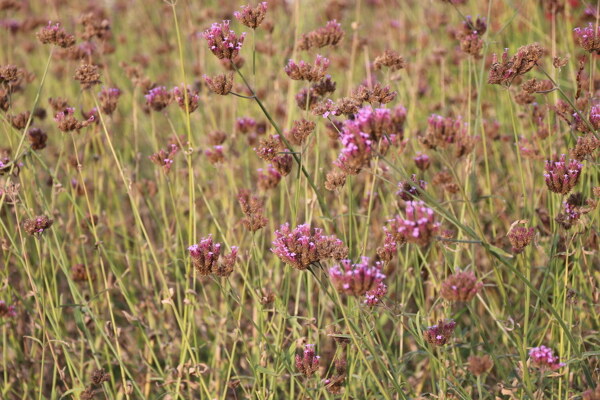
{"type": "Point", "coordinates": [418, 226]}
{"type": "Point", "coordinates": [461, 286]}
{"type": "Point", "coordinates": [308, 363]}
{"type": "Point", "coordinates": [588, 38]}
{"type": "Point", "coordinates": [252, 17]}
{"type": "Point", "coordinates": [7, 311]}
{"type": "Point", "coordinates": [543, 358]}
{"type": "Point", "coordinates": [441, 333]}
{"type": "Point", "coordinates": [206, 258]}
{"type": "Point", "coordinates": [562, 176]}
{"type": "Point", "coordinates": [224, 42]}
{"type": "Point", "coordinates": [356, 279]}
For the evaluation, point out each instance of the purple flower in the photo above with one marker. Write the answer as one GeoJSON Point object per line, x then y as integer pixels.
{"type": "Point", "coordinates": [588, 38]}
{"type": "Point", "coordinates": [374, 296]}
{"type": "Point", "coordinates": [356, 279]}
{"type": "Point", "coordinates": [206, 256]}
{"type": "Point", "coordinates": [595, 116]}
{"type": "Point", "coordinates": [302, 246]}
{"type": "Point", "coordinates": [561, 176]}
{"type": "Point", "coordinates": [419, 225]}
{"type": "Point", "coordinates": [7, 311]}
{"type": "Point", "coordinates": [441, 333]}
{"type": "Point", "coordinates": [422, 161]}
{"type": "Point", "coordinates": [308, 363]}
{"type": "Point", "coordinates": [224, 42]}
{"type": "Point", "coordinates": [543, 358]}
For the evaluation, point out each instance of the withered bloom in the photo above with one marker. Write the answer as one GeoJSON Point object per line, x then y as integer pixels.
{"type": "Point", "coordinates": [479, 365]}
{"type": "Point", "coordinates": [329, 35]}
{"type": "Point", "coordinates": [252, 17]}
{"type": "Point", "coordinates": [520, 237]}
{"type": "Point", "coordinates": [36, 226]}
{"type": "Point", "coordinates": [390, 59]}
{"type": "Point", "coordinates": [252, 207]}
{"type": "Point", "coordinates": [441, 333]}
{"type": "Point", "coordinates": [461, 286]}
{"type": "Point", "coordinates": [220, 84]}
{"type": "Point", "coordinates": [206, 258]}
{"type": "Point", "coordinates": [56, 35]}
{"type": "Point", "coordinates": [87, 75]}
{"type": "Point", "coordinates": [335, 179]}
{"type": "Point", "coordinates": [301, 129]}
{"type": "Point", "coordinates": [37, 138]}
{"type": "Point", "coordinates": [503, 73]}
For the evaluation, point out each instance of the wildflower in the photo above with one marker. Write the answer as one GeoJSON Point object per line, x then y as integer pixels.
{"type": "Point", "coordinates": [206, 258]}
{"type": "Point", "coordinates": [283, 163]}
{"type": "Point", "coordinates": [503, 73]}
{"type": "Point", "coordinates": [445, 180]}
{"type": "Point", "coordinates": [19, 121]}
{"type": "Point", "coordinates": [158, 98]}
{"type": "Point", "coordinates": [87, 75]}
{"type": "Point", "coordinates": [217, 137]}
{"type": "Point", "coordinates": [252, 207]}
{"type": "Point", "coordinates": [335, 383]}
{"type": "Point", "coordinates": [245, 125]}
{"type": "Point", "coordinates": [304, 246]}
{"type": "Point", "coordinates": [408, 189]}
{"type": "Point", "coordinates": [180, 95]}
{"type": "Point", "coordinates": [38, 225]}
{"type": "Point", "coordinates": [301, 129]}
{"type": "Point", "coordinates": [595, 116]}
{"type": "Point", "coordinates": [543, 358]}
{"type": "Point", "coordinates": [422, 161]}
{"type": "Point", "coordinates": [324, 86]}
{"type": "Point", "coordinates": [390, 59]}
{"type": "Point", "coordinates": [164, 157]}
{"type": "Point", "coordinates": [562, 176]}
{"type": "Point", "coordinates": [303, 71]}
{"type": "Point", "coordinates": [441, 333]}
{"type": "Point", "coordinates": [329, 35]}
{"type": "Point", "coordinates": [252, 17]}
{"type": "Point", "coordinates": [269, 147]}
{"type": "Point", "coordinates": [223, 42]}
{"type": "Point", "coordinates": [461, 286]}
{"type": "Point", "coordinates": [7, 311]}
{"type": "Point", "coordinates": [479, 365]}
{"type": "Point", "coordinates": [220, 84]}
{"type": "Point", "coordinates": [56, 35]}
{"type": "Point", "coordinates": [67, 121]}
{"type": "Point", "coordinates": [308, 98]}
{"type": "Point", "coordinates": [357, 149]}
{"type": "Point", "coordinates": [470, 36]}
{"type": "Point", "coordinates": [574, 207]}
{"type": "Point", "coordinates": [378, 94]}
{"type": "Point", "coordinates": [356, 279]}
{"type": "Point", "coordinates": [335, 179]}
{"type": "Point", "coordinates": [520, 237]}
{"type": "Point", "coordinates": [419, 225]}
{"type": "Point", "coordinates": [37, 138]}
{"type": "Point", "coordinates": [588, 38]}
{"type": "Point", "coordinates": [374, 296]}
{"type": "Point", "coordinates": [308, 363]}
{"type": "Point", "coordinates": [387, 251]}
{"type": "Point", "coordinates": [108, 99]}
{"type": "Point", "coordinates": [268, 178]}
{"type": "Point", "coordinates": [443, 131]}
{"type": "Point", "coordinates": [215, 154]}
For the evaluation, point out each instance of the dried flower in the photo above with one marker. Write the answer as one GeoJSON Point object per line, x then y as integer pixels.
{"type": "Point", "coordinates": [390, 59]}
{"type": "Point", "coordinates": [444, 131]}
{"type": "Point", "coordinates": [269, 147]}
{"type": "Point", "coordinates": [37, 138]}
{"type": "Point", "coordinates": [180, 96]}
{"type": "Point", "coordinates": [164, 157]}
{"type": "Point", "coordinates": [303, 71]}
{"type": "Point", "coordinates": [245, 125]}
{"type": "Point", "coordinates": [252, 207]}
{"type": "Point", "coordinates": [252, 17]}
{"type": "Point", "coordinates": [108, 99]}
{"type": "Point", "coordinates": [387, 251]}
{"type": "Point", "coordinates": [323, 87]}
{"type": "Point", "coordinates": [520, 237]}
{"type": "Point", "coordinates": [215, 154]}
{"type": "Point", "coordinates": [38, 225]}
{"type": "Point", "coordinates": [158, 98]}
{"type": "Point", "coordinates": [543, 358]}
{"type": "Point", "coordinates": [308, 363]}
{"type": "Point", "coordinates": [56, 35]}
{"type": "Point", "coordinates": [408, 189]}
{"type": "Point", "coordinates": [479, 365]}
{"type": "Point", "coordinates": [67, 122]}
{"type": "Point", "coordinates": [441, 333]}
{"type": "Point", "coordinates": [87, 75]}
{"type": "Point", "coordinates": [588, 38]}
{"type": "Point", "coordinates": [356, 279]}
{"type": "Point", "coordinates": [461, 286]}
{"type": "Point", "coordinates": [220, 84]}
{"type": "Point", "coordinates": [7, 311]}
{"type": "Point", "coordinates": [268, 178]}
{"type": "Point", "coordinates": [335, 179]}
{"type": "Point", "coordinates": [283, 163]}
{"type": "Point", "coordinates": [301, 129]}
{"type": "Point", "coordinates": [206, 258]}
{"type": "Point", "coordinates": [562, 176]}
{"type": "Point", "coordinates": [503, 73]}
{"type": "Point", "coordinates": [224, 42]}
{"type": "Point", "coordinates": [304, 246]}
{"type": "Point", "coordinates": [329, 35]}
{"type": "Point", "coordinates": [99, 376]}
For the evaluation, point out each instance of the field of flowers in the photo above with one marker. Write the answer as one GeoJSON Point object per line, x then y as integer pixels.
{"type": "Point", "coordinates": [300, 199]}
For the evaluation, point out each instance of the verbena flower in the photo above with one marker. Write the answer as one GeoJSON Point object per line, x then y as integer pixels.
{"type": "Point", "coordinates": [38, 225]}
{"type": "Point", "coordinates": [158, 98]}
{"type": "Point", "coordinates": [303, 71]}
{"type": "Point", "coordinates": [588, 38]}
{"type": "Point", "coordinates": [520, 237]}
{"type": "Point", "coordinates": [356, 279]}
{"type": "Point", "coordinates": [461, 286]}
{"type": "Point", "coordinates": [206, 258]}
{"type": "Point", "coordinates": [562, 176]}
{"type": "Point", "coordinates": [308, 363]}
{"type": "Point", "coordinates": [302, 246]}
{"type": "Point", "coordinates": [418, 226]}
{"type": "Point", "coordinates": [224, 42]}
{"type": "Point", "coordinates": [504, 72]}
{"type": "Point", "coordinates": [441, 333]}
{"type": "Point", "coordinates": [180, 96]}
{"type": "Point", "coordinates": [252, 17]}
{"type": "Point", "coordinates": [544, 358]}
{"type": "Point", "coordinates": [7, 311]}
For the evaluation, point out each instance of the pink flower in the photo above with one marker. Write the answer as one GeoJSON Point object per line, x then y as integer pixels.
{"type": "Point", "coordinates": [223, 42]}
{"type": "Point", "coordinates": [543, 358]}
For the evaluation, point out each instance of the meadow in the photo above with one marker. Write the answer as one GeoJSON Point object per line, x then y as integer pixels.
{"type": "Point", "coordinates": [299, 199]}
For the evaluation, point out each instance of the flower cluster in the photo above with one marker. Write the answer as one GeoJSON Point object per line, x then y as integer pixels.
{"type": "Point", "coordinates": [303, 71]}
{"type": "Point", "coordinates": [252, 207]}
{"type": "Point", "coordinates": [329, 35]}
{"type": "Point", "coordinates": [356, 279]}
{"type": "Point", "coordinates": [7, 311]}
{"type": "Point", "coordinates": [252, 17]}
{"type": "Point", "coordinates": [164, 157]}
{"type": "Point", "coordinates": [444, 131]}
{"type": "Point", "coordinates": [520, 237]}
{"type": "Point", "coordinates": [56, 35]}
{"type": "Point", "coordinates": [503, 73]}
{"type": "Point", "coordinates": [441, 333]}
{"type": "Point", "coordinates": [408, 189]}
{"type": "Point", "coordinates": [418, 226]}
{"type": "Point", "coordinates": [544, 358]}
{"type": "Point", "coordinates": [422, 161]}
{"type": "Point", "coordinates": [301, 129]}
{"type": "Point", "coordinates": [470, 36]}
{"type": "Point", "coordinates": [220, 84]}
{"type": "Point", "coordinates": [588, 38]}
{"type": "Point", "coordinates": [302, 246]}
{"type": "Point", "coordinates": [36, 226]}
{"type": "Point", "coordinates": [562, 176]}
{"type": "Point", "coordinates": [158, 98]}
{"type": "Point", "coordinates": [374, 296]}
{"type": "Point", "coordinates": [307, 363]}
{"type": "Point", "coordinates": [108, 99]}
{"type": "Point", "coordinates": [67, 122]}
{"type": "Point", "coordinates": [206, 258]}
{"type": "Point", "coordinates": [268, 178]}
{"type": "Point", "coordinates": [461, 286]}
{"type": "Point", "coordinates": [389, 59]}
{"type": "Point", "coordinates": [224, 42]}
{"type": "Point", "coordinates": [479, 365]}
{"type": "Point", "coordinates": [180, 95]}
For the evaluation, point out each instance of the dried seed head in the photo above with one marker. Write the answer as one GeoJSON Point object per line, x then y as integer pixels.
{"type": "Point", "coordinates": [520, 237]}
{"type": "Point", "coordinates": [329, 35]}
{"type": "Point", "coordinates": [108, 99]}
{"type": "Point", "coordinates": [87, 75]}
{"type": "Point", "coordinates": [479, 365]}
{"type": "Point", "coordinates": [252, 207]}
{"type": "Point", "coordinates": [181, 96]}
{"type": "Point", "coordinates": [503, 73]}
{"type": "Point", "coordinates": [220, 84]}
{"type": "Point", "coordinates": [460, 287]}
{"type": "Point", "coordinates": [37, 138]}
{"type": "Point", "coordinates": [56, 35]}
{"type": "Point", "coordinates": [335, 180]}
{"type": "Point", "coordinates": [36, 226]}
{"type": "Point", "coordinates": [303, 71]}
{"type": "Point", "coordinates": [252, 17]}
{"type": "Point", "coordinates": [301, 129]}
{"type": "Point", "coordinates": [389, 59]}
